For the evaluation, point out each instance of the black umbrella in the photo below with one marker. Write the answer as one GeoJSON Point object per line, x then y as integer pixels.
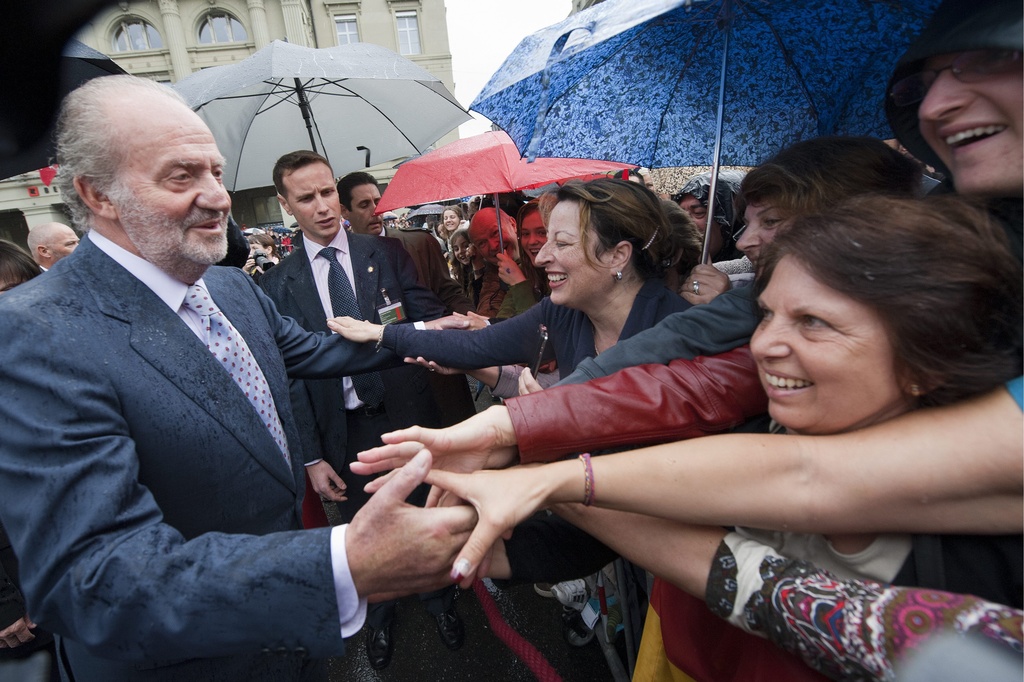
{"type": "Point", "coordinates": [78, 64]}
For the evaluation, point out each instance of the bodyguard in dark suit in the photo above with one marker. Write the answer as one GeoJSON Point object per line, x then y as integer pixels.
{"type": "Point", "coordinates": [359, 196]}
{"type": "Point", "coordinates": [349, 415]}
{"type": "Point", "coordinates": [151, 494]}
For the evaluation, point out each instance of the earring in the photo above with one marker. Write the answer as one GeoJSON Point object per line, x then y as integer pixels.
{"type": "Point", "coordinates": [617, 276]}
{"type": "Point", "coordinates": [915, 390]}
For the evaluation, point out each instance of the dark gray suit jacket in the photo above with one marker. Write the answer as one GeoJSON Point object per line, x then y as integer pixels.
{"type": "Point", "coordinates": [153, 514]}
{"type": "Point", "coordinates": [378, 263]}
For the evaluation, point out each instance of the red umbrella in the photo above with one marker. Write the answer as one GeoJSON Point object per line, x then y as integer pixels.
{"type": "Point", "coordinates": [483, 164]}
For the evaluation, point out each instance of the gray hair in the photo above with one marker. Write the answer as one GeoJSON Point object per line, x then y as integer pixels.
{"type": "Point", "coordinates": [87, 145]}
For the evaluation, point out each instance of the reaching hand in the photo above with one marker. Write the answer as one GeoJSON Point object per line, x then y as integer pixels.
{"type": "Point", "coordinates": [503, 499]}
{"type": "Point", "coordinates": [433, 366]}
{"type": "Point", "coordinates": [359, 331]}
{"type": "Point", "coordinates": [326, 482]}
{"type": "Point", "coordinates": [453, 321]}
{"type": "Point", "coordinates": [476, 321]}
{"type": "Point", "coordinates": [528, 384]}
{"type": "Point", "coordinates": [484, 441]}
{"type": "Point", "coordinates": [394, 545]}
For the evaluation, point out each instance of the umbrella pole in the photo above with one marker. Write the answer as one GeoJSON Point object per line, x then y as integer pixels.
{"type": "Point", "coordinates": [306, 116]}
{"type": "Point", "coordinates": [726, 23]}
{"type": "Point", "coordinates": [497, 215]}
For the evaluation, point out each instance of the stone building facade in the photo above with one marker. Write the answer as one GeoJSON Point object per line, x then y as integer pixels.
{"type": "Point", "coordinates": [166, 40]}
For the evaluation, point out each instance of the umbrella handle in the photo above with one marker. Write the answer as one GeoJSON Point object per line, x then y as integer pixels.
{"type": "Point", "coordinates": [361, 148]}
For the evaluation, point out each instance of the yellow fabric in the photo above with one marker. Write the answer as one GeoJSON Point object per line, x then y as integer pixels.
{"type": "Point", "coordinates": [652, 664]}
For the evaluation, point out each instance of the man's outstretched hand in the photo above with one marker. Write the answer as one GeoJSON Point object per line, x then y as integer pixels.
{"type": "Point", "coordinates": [397, 548]}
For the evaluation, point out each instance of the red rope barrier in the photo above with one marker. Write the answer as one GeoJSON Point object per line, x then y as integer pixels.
{"type": "Point", "coordinates": [526, 652]}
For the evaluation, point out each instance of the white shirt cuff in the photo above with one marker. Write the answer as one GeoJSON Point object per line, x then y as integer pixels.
{"type": "Point", "coordinates": [419, 325]}
{"type": "Point", "coordinates": [351, 607]}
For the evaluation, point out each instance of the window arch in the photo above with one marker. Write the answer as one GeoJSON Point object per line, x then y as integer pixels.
{"type": "Point", "coordinates": [217, 28]}
{"type": "Point", "coordinates": [132, 33]}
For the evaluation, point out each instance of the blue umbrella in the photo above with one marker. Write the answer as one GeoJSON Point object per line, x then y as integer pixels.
{"type": "Point", "coordinates": [694, 83]}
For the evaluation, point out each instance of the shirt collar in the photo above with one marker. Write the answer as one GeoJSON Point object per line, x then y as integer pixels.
{"type": "Point", "coordinates": [170, 290]}
{"type": "Point", "coordinates": [340, 242]}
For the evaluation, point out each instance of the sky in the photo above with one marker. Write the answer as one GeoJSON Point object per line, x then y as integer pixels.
{"type": "Point", "coordinates": [481, 33]}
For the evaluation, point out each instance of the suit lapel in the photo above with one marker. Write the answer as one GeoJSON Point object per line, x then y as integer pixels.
{"type": "Point", "coordinates": [367, 270]}
{"type": "Point", "coordinates": [302, 289]}
{"type": "Point", "coordinates": [160, 338]}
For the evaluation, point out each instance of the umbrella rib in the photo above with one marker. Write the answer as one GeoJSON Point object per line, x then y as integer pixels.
{"type": "Point", "coordinates": [789, 61]}
{"type": "Point", "coordinates": [679, 79]}
{"type": "Point", "coordinates": [369, 103]}
{"type": "Point", "coordinates": [641, 30]}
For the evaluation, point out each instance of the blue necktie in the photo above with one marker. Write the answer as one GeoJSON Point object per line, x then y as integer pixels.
{"type": "Point", "coordinates": [369, 386]}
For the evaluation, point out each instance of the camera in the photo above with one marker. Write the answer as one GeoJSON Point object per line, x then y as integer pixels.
{"type": "Point", "coordinates": [261, 260]}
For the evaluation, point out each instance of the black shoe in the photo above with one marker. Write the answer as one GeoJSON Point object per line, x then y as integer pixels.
{"type": "Point", "coordinates": [449, 626]}
{"type": "Point", "coordinates": [378, 647]}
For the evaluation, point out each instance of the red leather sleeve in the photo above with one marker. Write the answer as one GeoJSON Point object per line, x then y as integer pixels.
{"type": "Point", "coordinates": [641, 405]}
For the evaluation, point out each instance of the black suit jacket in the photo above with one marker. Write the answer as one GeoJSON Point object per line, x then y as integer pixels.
{"type": "Point", "coordinates": [378, 263]}
{"type": "Point", "coordinates": [433, 268]}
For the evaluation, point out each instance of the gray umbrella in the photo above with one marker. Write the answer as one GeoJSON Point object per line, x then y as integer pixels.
{"type": "Point", "coordinates": [428, 209]}
{"type": "Point", "coordinates": [347, 103]}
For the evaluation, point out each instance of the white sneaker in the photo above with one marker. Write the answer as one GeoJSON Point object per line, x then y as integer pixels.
{"type": "Point", "coordinates": [571, 593]}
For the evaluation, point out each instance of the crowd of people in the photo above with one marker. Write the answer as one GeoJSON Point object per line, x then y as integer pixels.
{"type": "Point", "coordinates": [799, 411]}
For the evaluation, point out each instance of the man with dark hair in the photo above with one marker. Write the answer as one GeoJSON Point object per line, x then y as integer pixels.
{"type": "Point", "coordinates": [166, 438]}
{"type": "Point", "coordinates": [359, 196]}
{"type": "Point", "coordinates": [331, 273]}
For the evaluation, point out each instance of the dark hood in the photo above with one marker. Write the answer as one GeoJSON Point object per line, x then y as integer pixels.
{"type": "Point", "coordinates": [957, 26]}
{"type": "Point", "coordinates": [728, 186]}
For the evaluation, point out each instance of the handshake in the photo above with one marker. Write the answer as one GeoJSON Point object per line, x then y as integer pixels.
{"type": "Point", "coordinates": [395, 548]}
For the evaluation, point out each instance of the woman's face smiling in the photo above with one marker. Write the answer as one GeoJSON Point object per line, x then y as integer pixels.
{"type": "Point", "coordinates": [976, 129]}
{"type": "Point", "coordinates": [533, 235]}
{"type": "Point", "coordinates": [451, 222]}
{"type": "Point", "coordinates": [463, 250]}
{"type": "Point", "coordinates": [824, 359]}
{"type": "Point", "coordinates": [575, 281]}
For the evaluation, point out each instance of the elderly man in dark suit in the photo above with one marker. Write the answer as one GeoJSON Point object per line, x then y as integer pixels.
{"type": "Point", "coordinates": [376, 278]}
{"type": "Point", "coordinates": [150, 465]}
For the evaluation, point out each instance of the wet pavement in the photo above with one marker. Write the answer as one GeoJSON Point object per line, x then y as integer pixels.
{"type": "Point", "coordinates": [420, 655]}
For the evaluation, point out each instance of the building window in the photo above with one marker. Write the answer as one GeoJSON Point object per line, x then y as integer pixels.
{"type": "Point", "coordinates": [135, 34]}
{"type": "Point", "coordinates": [408, 33]}
{"type": "Point", "coordinates": [217, 28]}
{"type": "Point", "coordinates": [345, 27]}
